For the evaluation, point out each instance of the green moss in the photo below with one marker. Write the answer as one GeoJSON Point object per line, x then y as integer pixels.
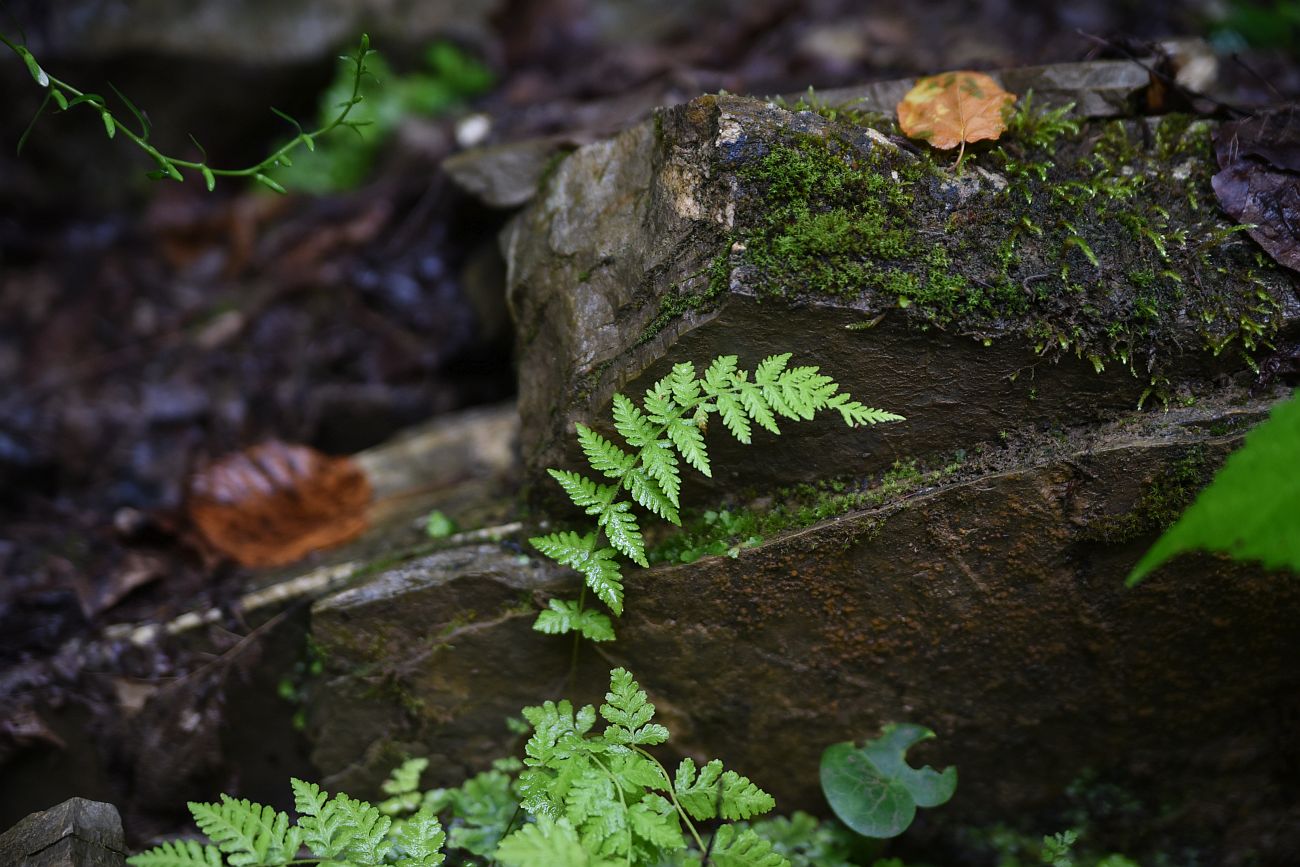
{"type": "Point", "coordinates": [1170, 492]}
{"type": "Point", "coordinates": [1098, 244]}
{"type": "Point", "coordinates": [718, 531]}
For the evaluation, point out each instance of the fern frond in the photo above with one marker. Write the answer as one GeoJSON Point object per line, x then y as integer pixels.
{"type": "Point", "coordinates": [744, 848]}
{"type": "Point", "coordinates": [247, 833]}
{"type": "Point", "coordinates": [178, 853]}
{"type": "Point", "coordinates": [603, 455]}
{"type": "Point", "coordinates": [688, 440]}
{"type": "Point", "coordinates": [418, 842]}
{"type": "Point", "coordinates": [628, 712]}
{"type": "Point", "coordinates": [654, 819]}
{"type": "Point", "coordinates": [322, 823]}
{"type": "Point", "coordinates": [620, 525]}
{"type": "Point", "coordinates": [660, 463]}
{"type": "Point", "coordinates": [658, 402]}
{"type": "Point", "coordinates": [718, 376]}
{"type": "Point", "coordinates": [742, 799]}
{"type": "Point", "coordinates": [584, 492]}
{"type": "Point", "coordinates": [367, 829]}
{"type": "Point", "coordinates": [733, 417]}
{"type": "Point", "coordinates": [685, 387]}
{"type": "Point", "coordinates": [566, 548]}
{"type": "Point", "coordinates": [631, 423]}
{"type": "Point", "coordinates": [545, 843]}
{"type": "Point", "coordinates": [561, 617]}
{"type": "Point", "coordinates": [650, 496]}
{"type": "Point", "coordinates": [751, 397]}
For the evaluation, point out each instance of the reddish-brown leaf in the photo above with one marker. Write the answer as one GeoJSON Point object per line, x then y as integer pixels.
{"type": "Point", "coordinates": [954, 108]}
{"type": "Point", "coordinates": [274, 503]}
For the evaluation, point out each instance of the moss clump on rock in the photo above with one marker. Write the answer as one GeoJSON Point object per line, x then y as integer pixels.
{"type": "Point", "coordinates": [1105, 241]}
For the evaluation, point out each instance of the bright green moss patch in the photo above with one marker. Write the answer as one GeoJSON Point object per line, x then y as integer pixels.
{"type": "Point", "coordinates": [720, 531]}
{"type": "Point", "coordinates": [1102, 239]}
{"type": "Point", "coordinates": [1170, 492]}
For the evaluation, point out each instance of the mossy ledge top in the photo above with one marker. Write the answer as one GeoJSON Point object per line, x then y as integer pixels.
{"type": "Point", "coordinates": [1102, 239]}
{"type": "Point", "coordinates": [1066, 274]}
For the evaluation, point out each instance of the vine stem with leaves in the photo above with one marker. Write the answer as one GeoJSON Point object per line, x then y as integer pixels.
{"type": "Point", "coordinates": [65, 96]}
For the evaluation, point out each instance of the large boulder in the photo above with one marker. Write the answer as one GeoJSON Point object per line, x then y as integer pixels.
{"type": "Point", "coordinates": [984, 600]}
{"type": "Point", "coordinates": [1050, 283]}
{"type": "Point", "coordinates": [963, 569]}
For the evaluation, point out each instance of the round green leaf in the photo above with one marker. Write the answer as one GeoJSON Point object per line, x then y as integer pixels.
{"type": "Point", "coordinates": [874, 791]}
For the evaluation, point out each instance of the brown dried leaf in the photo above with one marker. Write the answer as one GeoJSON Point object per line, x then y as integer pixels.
{"type": "Point", "coordinates": [274, 503]}
{"type": "Point", "coordinates": [954, 108]}
{"type": "Point", "coordinates": [1259, 180]}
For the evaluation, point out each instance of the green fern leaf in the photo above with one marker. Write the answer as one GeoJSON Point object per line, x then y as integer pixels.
{"type": "Point", "coordinates": [685, 387]}
{"type": "Point", "coordinates": [751, 398]}
{"type": "Point", "coordinates": [718, 376]}
{"type": "Point", "coordinates": [320, 822]}
{"type": "Point", "coordinates": [624, 534]}
{"type": "Point", "coordinates": [856, 415]}
{"type": "Point", "coordinates": [769, 369]}
{"type": "Point", "coordinates": [419, 840]}
{"type": "Point", "coordinates": [602, 575]}
{"type": "Point", "coordinates": [734, 417]}
{"type": "Point", "coordinates": [562, 617]}
{"type": "Point", "coordinates": [697, 792]}
{"type": "Point", "coordinates": [654, 819]}
{"type": "Point", "coordinates": [659, 404]}
{"type": "Point", "coordinates": [566, 548]}
{"type": "Point", "coordinates": [629, 713]}
{"type": "Point", "coordinates": [368, 829]}
{"type": "Point", "coordinates": [403, 787]}
{"type": "Point", "coordinates": [247, 833]}
{"type": "Point", "coordinates": [603, 455]}
{"type": "Point", "coordinates": [741, 799]}
{"type": "Point", "coordinates": [649, 495]}
{"type": "Point", "coordinates": [178, 853]}
{"type": "Point", "coordinates": [660, 463]}
{"type": "Point", "coordinates": [690, 443]}
{"type": "Point", "coordinates": [631, 423]}
{"type": "Point", "coordinates": [732, 848]}
{"type": "Point", "coordinates": [584, 492]}
{"type": "Point", "coordinates": [636, 770]}
{"type": "Point", "coordinates": [592, 805]}
{"type": "Point", "coordinates": [546, 843]}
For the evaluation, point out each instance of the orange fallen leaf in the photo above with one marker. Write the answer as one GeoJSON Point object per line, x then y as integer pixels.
{"type": "Point", "coordinates": [274, 503]}
{"type": "Point", "coordinates": [954, 108]}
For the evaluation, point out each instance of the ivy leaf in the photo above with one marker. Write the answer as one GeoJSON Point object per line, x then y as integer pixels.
{"type": "Point", "coordinates": [954, 108]}
{"type": "Point", "coordinates": [874, 791]}
{"type": "Point", "coordinates": [1249, 509]}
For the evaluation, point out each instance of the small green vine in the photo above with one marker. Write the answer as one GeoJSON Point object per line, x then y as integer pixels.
{"type": "Point", "coordinates": [65, 96]}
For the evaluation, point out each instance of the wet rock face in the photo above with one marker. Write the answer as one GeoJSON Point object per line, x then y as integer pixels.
{"type": "Point", "coordinates": [429, 659]}
{"type": "Point", "coordinates": [1061, 279]}
{"type": "Point", "coordinates": [989, 608]}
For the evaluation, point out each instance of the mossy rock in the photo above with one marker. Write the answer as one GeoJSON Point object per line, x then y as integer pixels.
{"type": "Point", "coordinates": [1063, 276]}
{"type": "Point", "coordinates": [985, 601]}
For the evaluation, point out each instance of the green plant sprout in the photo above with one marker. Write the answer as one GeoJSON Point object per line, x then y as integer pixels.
{"type": "Point", "coordinates": [669, 425]}
{"type": "Point", "coordinates": [606, 800]}
{"type": "Point", "coordinates": [874, 791]}
{"type": "Point", "coordinates": [65, 96]}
